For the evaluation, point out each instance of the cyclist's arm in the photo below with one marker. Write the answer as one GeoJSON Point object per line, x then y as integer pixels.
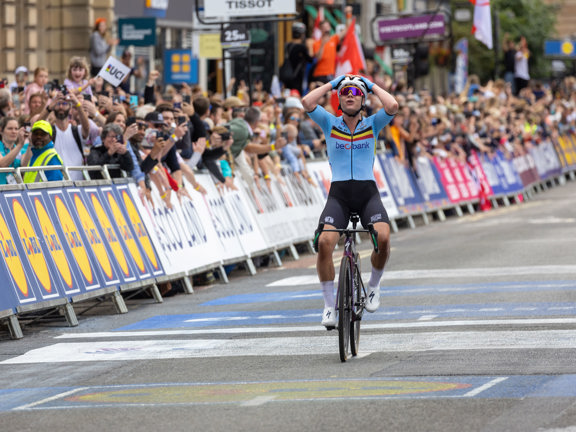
{"type": "Point", "coordinates": [390, 103]}
{"type": "Point", "coordinates": [310, 101]}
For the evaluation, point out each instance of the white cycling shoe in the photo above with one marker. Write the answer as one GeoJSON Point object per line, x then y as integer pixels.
{"type": "Point", "coordinates": [329, 317]}
{"type": "Point", "coordinates": [372, 299]}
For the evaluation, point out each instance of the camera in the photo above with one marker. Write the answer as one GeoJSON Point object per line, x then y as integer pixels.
{"type": "Point", "coordinates": [182, 119]}
{"type": "Point", "coordinates": [225, 136]}
{"type": "Point", "coordinates": [27, 126]}
{"type": "Point", "coordinates": [63, 89]}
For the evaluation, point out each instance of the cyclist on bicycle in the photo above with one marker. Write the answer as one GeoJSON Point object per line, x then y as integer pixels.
{"type": "Point", "coordinates": [351, 146]}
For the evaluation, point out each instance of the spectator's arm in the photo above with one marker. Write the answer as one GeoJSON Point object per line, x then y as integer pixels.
{"type": "Point", "coordinates": [136, 172]}
{"type": "Point", "coordinates": [82, 115]}
{"type": "Point", "coordinates": [150, 85]}
{"type": "Point", "coordinates": [148, 164]}
{"type": "Point", "coordinates": [212, 165]}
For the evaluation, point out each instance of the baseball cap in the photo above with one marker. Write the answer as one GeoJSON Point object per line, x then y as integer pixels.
{"type": "Point", "coordinates": [232, 102]}
{"type": "Point", "coordinates": [21, 69]}
{"type": "Point", "coordinates": [154, 117]}
{"type": "Point", "coordinates": [42, 125]}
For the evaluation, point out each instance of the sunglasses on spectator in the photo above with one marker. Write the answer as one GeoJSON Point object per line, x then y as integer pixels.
{"type": "Point", "coordinates": [351, 90]}
{"type": "Point", "coordinates": [141, 126]}
{"type": "Point", "coordinates": [294, 118]}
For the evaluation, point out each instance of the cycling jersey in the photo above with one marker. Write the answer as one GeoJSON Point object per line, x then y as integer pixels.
{"type": "Point", "coordinates": [351, 155]}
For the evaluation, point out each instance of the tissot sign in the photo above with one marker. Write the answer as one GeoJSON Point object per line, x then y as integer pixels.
{"type": "Point", "coordinates": [236, 8]}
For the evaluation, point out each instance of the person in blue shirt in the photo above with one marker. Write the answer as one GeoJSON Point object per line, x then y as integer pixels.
{"type": "Point", "coordinates": [351, 148]}
{"type": "Point", "coordinates": [13, 146]}
{"type": "Point", "coordinates": [43, 153]}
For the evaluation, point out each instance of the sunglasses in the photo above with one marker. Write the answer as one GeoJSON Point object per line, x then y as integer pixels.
{"type": "Point", "coordinates": [295, 118]}
{"type": "Point", "coordinates": [351, 90]}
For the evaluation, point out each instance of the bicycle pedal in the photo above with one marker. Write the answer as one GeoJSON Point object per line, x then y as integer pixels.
{"type": "Point", "coordinates": [330, 328]}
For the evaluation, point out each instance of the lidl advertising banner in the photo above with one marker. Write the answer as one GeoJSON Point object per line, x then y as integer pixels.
{"type": "Point", "coordinates": [25, 258]}
{"type": "Point", "coordinates": [121, 200]}
{"type": "Point", "coordinates": [60, 243]}
{"type": "Point", "coordinates": [127, 259]}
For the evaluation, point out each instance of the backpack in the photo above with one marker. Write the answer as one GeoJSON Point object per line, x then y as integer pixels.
{"type": "Point", "coordinates": [286, 73]}
{"type": "Point", "coordinates": [76, 135]}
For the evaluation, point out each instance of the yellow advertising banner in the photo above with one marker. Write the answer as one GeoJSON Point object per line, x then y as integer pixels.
{"type": "Point", "coordinates": [210, 46]}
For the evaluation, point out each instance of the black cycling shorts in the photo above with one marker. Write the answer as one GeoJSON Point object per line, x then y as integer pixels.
{"type": "Point", "coordinates": [359, 196]}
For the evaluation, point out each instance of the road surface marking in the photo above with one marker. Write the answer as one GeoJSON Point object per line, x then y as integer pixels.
{"type": "Point", "coordinates": [484, 387]}
{"type": "Point", "coordinates": [287, 346]}
{"type": "Point", "coordinates": [317, 328]}
{"type": "Point", "coordinates": [443, 273]}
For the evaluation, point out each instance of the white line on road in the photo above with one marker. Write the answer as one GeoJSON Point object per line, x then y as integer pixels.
{"type": "Point", "coordinates": [485, 387]}
{"type": "Point", "coordinates": [51, 398]}
{"type": "Point", "coordinates": [317, 328]}
{"type": "Point", "coordinates": [258, 401]}
{"type": "Point", "coordinates": [444, 273]}
{"type": "Point", "coordinates": [288, 346]}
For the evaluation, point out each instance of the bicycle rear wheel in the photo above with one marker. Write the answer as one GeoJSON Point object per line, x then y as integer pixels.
{"type": "Point", "coordinates": [357, 306]}
{"type": "Point", "coordinates": [344, 307]}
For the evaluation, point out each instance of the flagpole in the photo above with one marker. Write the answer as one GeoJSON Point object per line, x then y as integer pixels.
{"type": "Point", "coordinates": [496, 27]}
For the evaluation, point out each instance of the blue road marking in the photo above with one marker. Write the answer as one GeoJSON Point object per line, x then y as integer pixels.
{"type": "Point", "coordinates": [403, 290]}
{"type": "Point", "coordinates": [385, 313]}
{"type": "Point", "coordinates": [464, 387]}
{"type": "Point", "coordinates": [13, 398]}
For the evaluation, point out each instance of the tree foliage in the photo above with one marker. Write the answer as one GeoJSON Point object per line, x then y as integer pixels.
{"type": "Point", "coordinates": [530, 18]}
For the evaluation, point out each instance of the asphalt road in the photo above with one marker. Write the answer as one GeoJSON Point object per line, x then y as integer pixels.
{"type": "Point", "coordinates": [476, 332]}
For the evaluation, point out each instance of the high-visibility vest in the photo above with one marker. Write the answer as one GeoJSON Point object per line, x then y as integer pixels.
{"type": "Point", "coordinates": [42, 160]}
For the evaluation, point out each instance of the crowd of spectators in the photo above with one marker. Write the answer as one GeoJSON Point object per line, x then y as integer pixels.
{"type": "Point", "coordinates": [166, 133]}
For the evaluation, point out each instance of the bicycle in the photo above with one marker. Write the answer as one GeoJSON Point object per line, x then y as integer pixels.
{"type": "Point", "coordinates": [351, 294]}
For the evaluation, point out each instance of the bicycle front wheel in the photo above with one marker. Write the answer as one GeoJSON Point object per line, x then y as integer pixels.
{"type": "Point", "coordinates": [357, 306]}
{"type": "Point", "coordinates": [344, 307]}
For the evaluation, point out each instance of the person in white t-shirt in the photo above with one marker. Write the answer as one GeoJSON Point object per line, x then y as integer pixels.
{"type": "Point", "coordinates": [68, 143]}
{"type": "Point", "coordinates": [521, 74]}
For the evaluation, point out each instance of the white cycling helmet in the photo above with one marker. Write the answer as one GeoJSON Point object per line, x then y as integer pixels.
{"type": "Point", "coordinates": [356, 81]}
{"type": "Point", "coordinates": [353, 80]}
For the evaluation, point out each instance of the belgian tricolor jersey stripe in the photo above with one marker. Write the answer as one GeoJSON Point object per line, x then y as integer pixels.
{"type": "Point", "coordinates": [361, 135]}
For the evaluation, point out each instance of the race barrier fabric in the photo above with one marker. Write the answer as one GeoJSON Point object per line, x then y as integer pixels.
{"type": "Point", "coordinates": [63, 242]}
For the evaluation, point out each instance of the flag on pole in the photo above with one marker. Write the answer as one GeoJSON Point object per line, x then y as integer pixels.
{"type": "Point", "coordinates": [317, 32]}
{"type": "Point", "coordinates": [482, 28]}
{"type": "Point", "coordinates": [350, 57]}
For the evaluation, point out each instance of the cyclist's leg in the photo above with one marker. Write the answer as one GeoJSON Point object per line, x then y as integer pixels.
{"type": "Point", "coordinates": [375, 213]}
{"type": "Point", "coordinates": [334, 216]}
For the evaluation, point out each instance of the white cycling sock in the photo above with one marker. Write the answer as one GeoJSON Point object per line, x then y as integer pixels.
{"type": "Point", "coordinates": [328, 293]}
{"type": "Point", "coordinates": [375, 277]}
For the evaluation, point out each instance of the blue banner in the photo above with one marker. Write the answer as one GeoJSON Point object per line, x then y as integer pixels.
{"type": "Point", "coordinates": [501, 174]}
{"type": "Point", "coordinates": [430, 185]}
{"type": "Point", "coordinates": [402, 184]}
{"type": "Point", "coordinates": [180, 67]}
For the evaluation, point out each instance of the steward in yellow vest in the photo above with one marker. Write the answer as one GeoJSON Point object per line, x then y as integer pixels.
{"type": "Point", "coordinates": [43, 153]}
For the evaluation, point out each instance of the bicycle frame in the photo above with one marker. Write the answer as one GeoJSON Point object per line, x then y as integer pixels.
{"type": "Point", "coordinates": [351, 293]}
